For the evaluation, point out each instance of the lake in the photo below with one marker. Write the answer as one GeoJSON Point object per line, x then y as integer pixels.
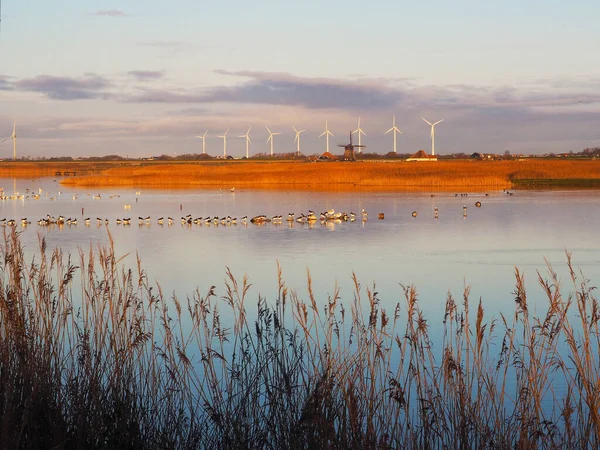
{"type": "Point", "coordinates": [438, 255]}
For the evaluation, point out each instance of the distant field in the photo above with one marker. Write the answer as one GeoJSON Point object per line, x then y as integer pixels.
{"type": "Point", "coordinates": [393, 175]}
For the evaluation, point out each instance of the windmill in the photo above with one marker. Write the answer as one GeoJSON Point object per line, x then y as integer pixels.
{"type": "Point", "coordinates": [224, 137]}
{"type": "Point", "coordinates": [13, 136]}
{"type": "Point", "coordinates": [248, 141]}
{"type": "Point", "coordinates": [297, 138]}
{"type": "Point", "coordinates": [270, 138]}
{"type": "Point", "coordinates": [203, 137]}
{"type": "Point", "coordinates": [432, 134]}
{"type": "Point", "coordinates": [359, 131]}
{"type": "Point", "coordinates": [326, 133]}
{"type": "Point", "coordinates": [349, 154]}
{"type": "Point", "coordinates": [395, 130]}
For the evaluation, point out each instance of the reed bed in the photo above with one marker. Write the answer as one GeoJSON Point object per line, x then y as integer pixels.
{"type": "Point", "coordinates": [92, 355]}
{"type": "Point", "coordinates": [441, 175]}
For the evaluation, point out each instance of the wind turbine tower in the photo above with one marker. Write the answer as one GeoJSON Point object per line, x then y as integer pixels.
{"type": "Point", "coordinates": [248, 141]}
{"type": "Point", "coordinates": [270, 138]}
{"type": "Point", "coordinates": [326, 133]}
{"type": "Point", "coordinates": [359, 131]}
{"type": "Point", "coordinates": [297, 138]}
{"type": "Point", "coordinates": [224, 137]}
{"type": "Point", "coordinates": [432, 134]}
{"type": "Point", "coordinates": [13, 136]}
{"type": "Point", "coordinates": [203, 137]}
{"type": "Point", "coordinates": [395, 130]}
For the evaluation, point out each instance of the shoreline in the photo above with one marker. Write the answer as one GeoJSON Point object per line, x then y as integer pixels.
{"type": "Point", "coordinates": [445, 175]}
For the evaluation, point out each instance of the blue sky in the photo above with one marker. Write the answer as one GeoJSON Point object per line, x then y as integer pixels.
{"type": "Point", "coordinates": [142, 78]}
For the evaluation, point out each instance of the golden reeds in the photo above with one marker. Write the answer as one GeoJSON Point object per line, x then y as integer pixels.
{"type": "Point", "coordinates": [92, 355]}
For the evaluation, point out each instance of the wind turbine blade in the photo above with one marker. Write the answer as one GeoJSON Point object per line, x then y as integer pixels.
{"type": "Point", "coordinates": [438, 121]}
{"type": "Point", "coordinates": [323, 133]}
{"type": "Point", "coordinates": [391, 129]}
{"type": "Point", "coordinates": [15, 128]}
{"type": "Point", "coordinates": [4, 140]}
{"type": "Point", "coordinates": [205, 133]}
{"type": "Point", "coordinates": [297, 137]}
{"type": "Point", "coordinates": [226, 131]}
{"type": "Point", "coordinates": [361, 131]}
{"type": "Point", "coordinates": [275, 134]}
{"type": "Point", "coordinates": [427, 121]}
{"type": "Point", "coordinates": [249, 140]}
{"type": "Point", "coordinates": [294, 128]}
{"type": "Point", "coordinates": [302, 131]}
{"type": "Point", "coordinates": [398, 131]}
{"type": "Point", "coordinates": [249, 128]}
{"type": "Point", "coordinates": [268, 129]}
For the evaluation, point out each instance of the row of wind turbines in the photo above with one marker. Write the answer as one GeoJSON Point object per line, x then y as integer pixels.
{"type": "Point", "coordinates": [359, 131]}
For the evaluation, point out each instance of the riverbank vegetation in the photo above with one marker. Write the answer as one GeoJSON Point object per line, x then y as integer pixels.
{"type": "Point", "coordinates": [94, 355]}
{"type": "Point", "coordinates": [444, 175]}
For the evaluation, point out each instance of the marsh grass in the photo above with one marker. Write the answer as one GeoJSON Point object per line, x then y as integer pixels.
{"type": "Point", "coordinates": [393, 175]}
{"type": "Point", "coordinates": [94, 356]}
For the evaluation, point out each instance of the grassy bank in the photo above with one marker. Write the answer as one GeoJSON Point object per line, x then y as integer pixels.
{"type": "Point", "coordinates": [444, 175]}
{"type": "Point", "coordinates": [93, 356]}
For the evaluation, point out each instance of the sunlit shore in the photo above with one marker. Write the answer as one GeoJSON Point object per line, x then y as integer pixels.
{"type": "Point", "coordinates": [390, 175]}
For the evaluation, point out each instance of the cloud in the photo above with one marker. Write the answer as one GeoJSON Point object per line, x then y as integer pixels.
{"type": "Point", "coordinates": [283, 89]}
{"type": "Point", "coordinates": [5, 83]}
{"type": "Point", "coordinates": [110, 13]}
{"type": "Point", "coordinates": [146, 75]}
{"type": "Point", "coordinates": [65, 88]}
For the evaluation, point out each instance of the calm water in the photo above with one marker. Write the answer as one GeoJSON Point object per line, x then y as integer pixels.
{"type": "Point", "coordinates": [436, 255]}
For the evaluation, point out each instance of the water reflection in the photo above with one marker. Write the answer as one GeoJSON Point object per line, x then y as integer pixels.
{"type": "Point", "coordinates": [440, 249]}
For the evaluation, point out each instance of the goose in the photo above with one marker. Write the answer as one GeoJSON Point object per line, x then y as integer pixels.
{"type": "Point", "coordinates": [381, 216]}
{"type": "Point", "coordinates": [170, 220]}
{"type": "Point", "coordinates": [415, 214]}
{"type": "Point", "coordinates": [478, 204]}
{"type": "Point", "coordinates": [160, 221]}
{"type": "Point", "coordinates": [87, 220]}
{"type": "Point", "coordinates": [290, 217]}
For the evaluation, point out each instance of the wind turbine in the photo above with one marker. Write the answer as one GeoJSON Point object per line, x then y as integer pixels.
{"type": "Point", "coordinates": [297, 138]}
{"type": "Point", "coordinates": [248, 141]}
{"type": "Point", "coordinates": [224, 137]}
{"type": "Point", "coordinates": [13, 136]}
{"type": "Point", "coordinates": [432, 133]}
{"type": "Point", "coordinates": [270, 138]}
{"type": "Point", "coordinates": [203, 137]}
{"type": "Point", "coordinates": [326, 133]}
{"type": "Point", "coordinates": [395, 130]}
{"type": "Point", "coordinates": [359, 131]}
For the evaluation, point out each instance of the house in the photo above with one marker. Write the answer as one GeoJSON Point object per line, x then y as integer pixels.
{"type": "Point", "coordinates": [327, 156]}
{"type": "Point", "coordinates": [422, 156]}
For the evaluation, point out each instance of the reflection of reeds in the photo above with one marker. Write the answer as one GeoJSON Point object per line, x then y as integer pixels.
{"type": "Point", "coordinates": [107, 361]}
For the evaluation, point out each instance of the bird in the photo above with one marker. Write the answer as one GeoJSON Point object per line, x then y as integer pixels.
{"type": "Point", "coordinates": [415, 213]}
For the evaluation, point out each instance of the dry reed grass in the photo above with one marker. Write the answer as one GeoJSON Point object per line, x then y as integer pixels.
{"type": "Point", "coordinates": [443, 175]}
{"type": "Point", "coordinates": [93, 356]}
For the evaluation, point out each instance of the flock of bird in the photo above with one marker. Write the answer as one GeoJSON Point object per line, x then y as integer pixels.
{"type": "Point", "coordinates": [329, 216]}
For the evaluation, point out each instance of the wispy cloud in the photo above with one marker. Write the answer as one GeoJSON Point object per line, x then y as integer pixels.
{"type": "Point", "coordinates": [65, 88]}
{"type": "Point", "coordinates": [110, 13]}
{"type": "Point", "coordinates": [146, 75]}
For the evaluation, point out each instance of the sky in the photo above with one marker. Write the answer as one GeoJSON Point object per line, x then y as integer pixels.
{"type": "Point", "coordinates": [141, 78]}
